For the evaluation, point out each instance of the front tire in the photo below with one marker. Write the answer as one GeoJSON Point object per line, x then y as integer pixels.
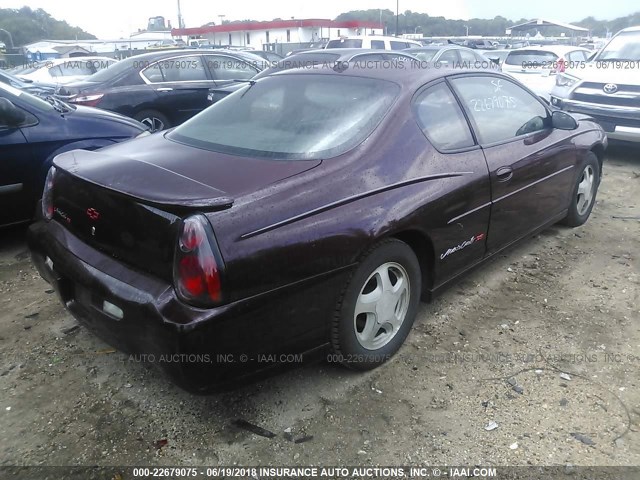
{"type": "Point", "coordinates": [584, 192]}
{"type": "Point", "coordinates": [378, 306]}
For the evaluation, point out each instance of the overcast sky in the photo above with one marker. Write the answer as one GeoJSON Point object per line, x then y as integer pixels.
{"type": "Point", "coordinates": [121, 17]}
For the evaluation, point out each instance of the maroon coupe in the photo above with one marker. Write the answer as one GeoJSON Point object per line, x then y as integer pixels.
{"type": "Point", "coordinates": [311, 209]}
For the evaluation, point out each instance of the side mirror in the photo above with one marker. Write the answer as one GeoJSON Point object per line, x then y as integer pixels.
{"type": "Point", "coordinates": [563, 121]}
{"type": "Point", "coordinates": [10, 115]}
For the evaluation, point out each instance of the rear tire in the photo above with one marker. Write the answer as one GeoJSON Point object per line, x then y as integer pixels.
{"type": "Point", "coordinates": [378, 306]}
{"type": "Point", "coordinates": [584, 192]}
{"type": "Point", "coordinates": [153, 119]}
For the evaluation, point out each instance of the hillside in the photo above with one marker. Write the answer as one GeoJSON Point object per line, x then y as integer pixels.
{"type": "Point", "coordinates": [27, 26]}
{"type": "Point", "coordinates": [413, 22]}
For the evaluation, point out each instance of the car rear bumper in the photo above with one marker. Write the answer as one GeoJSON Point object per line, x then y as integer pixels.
{"type": "Point", "coordinates": [619, 123]}
{"type": "Point", "coordinates": [200, 349]}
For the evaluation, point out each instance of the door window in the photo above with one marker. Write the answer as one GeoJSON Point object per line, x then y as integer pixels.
{"type": "Point", "coordinates": [499, 109]}
{"type": "Point", "coordinates": [229, 68]}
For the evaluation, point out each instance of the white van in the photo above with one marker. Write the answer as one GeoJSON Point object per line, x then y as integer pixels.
{"type": "Point", "coordinates": [376, 42]}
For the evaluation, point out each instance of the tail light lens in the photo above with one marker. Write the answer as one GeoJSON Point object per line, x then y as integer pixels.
{"type": "Point", "coordinates": [198, 267]}
{"type": "Point", "coordinates": [47, 194]}
{"type": "Point", "coordinates": [561, 66]}
{"type": "Point", "coordinates": [87, 100]}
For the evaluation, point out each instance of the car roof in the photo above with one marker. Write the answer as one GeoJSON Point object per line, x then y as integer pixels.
{"type": "Point", "coordinates": [350, 52]}
{"type": "Point", "coordinates": [57, 61]}
{"type": "Point", "coordinates": [439, 47]}
{"type": "Point", "coordinates": [557, 49]}
{"type": "Point", "coordinates": [375, 37]}
{"type": "Point", "coordinates": [631, 29]}
{"type": "Point", "coordinates": [412, 76]}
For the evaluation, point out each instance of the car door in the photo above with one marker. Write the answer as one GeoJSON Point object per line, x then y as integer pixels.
{"type": "Point", "coordinates": [16, 170]}
{"type": "Point", "coordinates": [463, 210]}
{"type": "Point", "coordinates": [181, 83]}
{"type": "Point", "coordinates": [530, 163]}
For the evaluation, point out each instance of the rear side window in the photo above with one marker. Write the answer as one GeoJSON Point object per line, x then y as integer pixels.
{"type": "Point", "coordinates": [449, 56]}
{"type": "Point", "coordinates": [377, 44]}
{"type": "Point", "coordinates": [398, 45]}
{"type": "Point", "coordinates": [441, 119]}
{"type": "Point", "coordinates": [183, 69]}
{"type": "Point", "coordinates": [345, 43]}
{"type": "Point", "coordinates": [532, 58]}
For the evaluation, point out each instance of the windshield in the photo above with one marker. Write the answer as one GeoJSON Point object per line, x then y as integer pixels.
{"type": "Point", "coordinates": [625, 46]}
{"type": "Point", "coordinates": [12, 93]}
{"type": "Point", "coordinates": [292, 117]}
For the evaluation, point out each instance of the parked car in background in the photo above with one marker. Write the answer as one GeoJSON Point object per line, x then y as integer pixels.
{"type": "Point", "coordinates": [63, 70]}
{"type": "Point", "coordinates": [33, 131]}
{"type": "Point", "coordinates": [162, 89]}
{"type": "Point", "coordinates": [327, 58]}
{"type": "Point", "coordinates": [497, 56]}
{"type": "Point", "coordinates": [312, 46]}
{"type": "Point", "coordinates": [271, 57]}
{"type": "Point", "coordinates": [375, 42]}
{"type": "Point", "coordinates": [607, 88]}
{"type": "Point", "coordinates": [35, 88]}
{"type": "Point", "coordinates": [312, 210]}
{"type": "Point", "coordinates": [167, 43]}
{"type": "Point", "coordinates": [537, 67]}
{"type": "Point", "coordinates": [451, 55]}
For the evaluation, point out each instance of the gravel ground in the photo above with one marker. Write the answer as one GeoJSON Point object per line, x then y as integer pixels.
{"type": "Point", "coordinates": [543, 341]}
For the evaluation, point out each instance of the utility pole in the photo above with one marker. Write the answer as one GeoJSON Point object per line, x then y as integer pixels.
{"type": "Point", "coordinates": [180, 22]}
{"type": "Point", "coordinates": [397, 17]}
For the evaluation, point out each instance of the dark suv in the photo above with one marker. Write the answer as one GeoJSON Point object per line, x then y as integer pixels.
{"type": "Point", "coordinates": [162, 89]}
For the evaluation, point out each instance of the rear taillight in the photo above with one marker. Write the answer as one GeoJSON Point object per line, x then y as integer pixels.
{"type": "Point", "coordinates": [47, 194]}
{"type": "Point", "coordinates": [197, 268]}
{"type": "Point", "coordinates": [87, 100]}
{"type": "Point", "coordinates": [561, 66]}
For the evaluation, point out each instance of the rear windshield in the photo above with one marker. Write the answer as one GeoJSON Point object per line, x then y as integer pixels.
{"type": "Point", "coordinates": [117, 68]}
{"type": "Point", "coordinates": [292, 117]}
{"type": "Point", "coordinates": [531, 58]}
{"type": "Point", "coordinates": [345, 43]}
{"type": "Point", "coordinates": [424, 55]}
{"type": "Point", "coordinates": [303, 60]}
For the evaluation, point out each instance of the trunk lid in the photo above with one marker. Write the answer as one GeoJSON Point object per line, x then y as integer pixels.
{"type": "Point", "coordinates": [128, 199]}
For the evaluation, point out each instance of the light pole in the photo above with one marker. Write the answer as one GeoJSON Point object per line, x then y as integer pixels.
{"type": "Point", "coordinates": [467, 27]}
{"type": "Point", "coordinates": [397, 16]}
{"type": "Point", "coordinates": [180, 22]}
{"type": "Point", "coordinates": [221, 17]}
{"type": "Point", "coordinates": [415, 30]}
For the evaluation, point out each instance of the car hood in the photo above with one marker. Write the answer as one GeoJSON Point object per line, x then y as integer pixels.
{"type": "Point", "coordinates": [594, 72]}
{"type": "Point", "coordinates": [162, 172]}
